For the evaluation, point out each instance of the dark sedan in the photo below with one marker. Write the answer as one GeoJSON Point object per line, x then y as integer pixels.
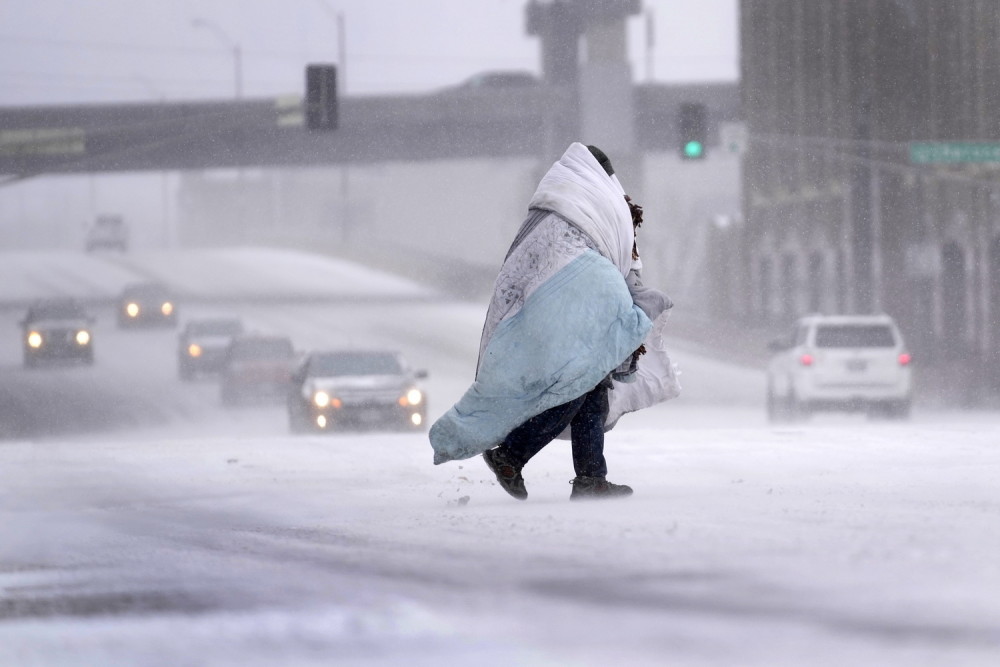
{"type": "Point", "coordinates": [202, 345]}
{"type": "Point", "coordinates": [57, 329]}
{"type": "Point", "coordinates": [257, 368]}
{"type": "Point", "coordinates": [147, 304]}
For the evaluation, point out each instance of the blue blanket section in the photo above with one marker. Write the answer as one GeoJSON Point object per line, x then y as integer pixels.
{"type": "Point", "coordinates": [570, 333]}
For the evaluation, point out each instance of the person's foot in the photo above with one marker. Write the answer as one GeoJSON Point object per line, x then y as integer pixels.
{"type": "Point", "coordinates": [586, 488]}
{"type": "Point", "coordinates": [508, 474]}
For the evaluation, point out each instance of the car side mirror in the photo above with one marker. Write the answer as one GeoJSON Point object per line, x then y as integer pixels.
{"type": "Point", "coordinates": [421, 374]}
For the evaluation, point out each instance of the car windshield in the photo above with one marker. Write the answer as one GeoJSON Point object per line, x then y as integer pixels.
{"type": "Point", "coordinates": [329, 365]}
{"type": "Point", "coordinates": [262, 348]}
{"type": "Point", "coordinates": [215, 327]}
{"type": "Point", "coordinates": [146, 291]}
{"type": "Point", "coordinates": [855, 335]}
{"type": "Point", "coordinates": [56, 310]}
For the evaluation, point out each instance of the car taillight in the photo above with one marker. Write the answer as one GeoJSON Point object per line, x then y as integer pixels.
{"type": "Point", "coordinates": [806, 360]}
{"type": "Point", "coordinates": [905, 359]}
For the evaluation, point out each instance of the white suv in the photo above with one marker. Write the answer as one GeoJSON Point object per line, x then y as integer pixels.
{"type": "Point", "coordinates": [108, 231]}
{"type": "Point", "coordinates": [840, 362]}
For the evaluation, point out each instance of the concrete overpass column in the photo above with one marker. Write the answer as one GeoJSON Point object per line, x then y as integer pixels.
{"type": "Point", "coordinates": [600, 88]}
{"type": "Point", "coordinates": [606, 97]}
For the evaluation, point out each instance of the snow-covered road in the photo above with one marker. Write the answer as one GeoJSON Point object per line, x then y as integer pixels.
{"type": "Point", "coordinates": [823, 544]}
{"type": "Point", "coordinates": [207, 536]}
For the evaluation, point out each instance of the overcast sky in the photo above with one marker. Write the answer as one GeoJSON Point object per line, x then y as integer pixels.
{"type": "Point", "coordinates": [66, 51]}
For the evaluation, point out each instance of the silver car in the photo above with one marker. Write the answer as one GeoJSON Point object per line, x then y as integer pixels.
{"type": "Point", "coordinates": [354, 390]}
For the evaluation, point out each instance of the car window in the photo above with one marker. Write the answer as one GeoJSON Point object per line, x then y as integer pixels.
{"type": "Point", "coordinates": [56, 310]}
{"type": "Point", "coordinates": [146, 291]}
{"type": "Point", "coordinates": [855, 335]}
{"type": "Point", "coordinates": [329, 365]}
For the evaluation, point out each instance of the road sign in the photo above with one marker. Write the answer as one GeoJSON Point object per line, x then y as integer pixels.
{"type": "Point", "coordinates": [953, 152]}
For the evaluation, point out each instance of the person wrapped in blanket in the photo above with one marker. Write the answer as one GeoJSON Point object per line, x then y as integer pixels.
{"type": "Point", "coordinates": [565, 328]}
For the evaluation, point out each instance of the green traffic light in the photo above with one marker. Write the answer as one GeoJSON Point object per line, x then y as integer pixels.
{"type": "Point", "coordinates": [693, 149]}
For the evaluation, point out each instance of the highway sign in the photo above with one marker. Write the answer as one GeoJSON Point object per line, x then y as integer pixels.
{"type": "Point", "coordinates": [953, 152]}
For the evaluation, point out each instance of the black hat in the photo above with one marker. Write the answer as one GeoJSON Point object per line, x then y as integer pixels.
{"type": "Point", "coordinates": [602, 158]}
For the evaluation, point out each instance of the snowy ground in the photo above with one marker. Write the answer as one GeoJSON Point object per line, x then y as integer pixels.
{"type": "Point", "coordinates": [211, 537]}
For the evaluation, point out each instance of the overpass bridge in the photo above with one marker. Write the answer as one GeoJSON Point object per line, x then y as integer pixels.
{"type": "Point", "coordinates": [534, 120]}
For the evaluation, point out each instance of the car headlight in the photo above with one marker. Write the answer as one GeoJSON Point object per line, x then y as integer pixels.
{"type": "Point", "coordinates": [322, 399]}
{"type": "Point", "coordinates": [132, 309]}
{"type": "Point", "coordinates": [35, 339]}
{"type": "Point", "coordinates": [167, 308]}
{"type": "Point", "coordinates": [194, 350]}
{"type": "Point", "coordinates": [82, 337]}
{"type": "Point", "coordinates": [411, 397]}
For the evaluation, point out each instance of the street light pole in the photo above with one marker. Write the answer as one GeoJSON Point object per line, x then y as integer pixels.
{"type": "Point", "coordinates": [345, 171]}
{"type": "Point", "coordinates": [238, 64]}
{"type": "Point", "coordinates": [341, 45]}
{"type": "Point", "coordinates": [229, 43]}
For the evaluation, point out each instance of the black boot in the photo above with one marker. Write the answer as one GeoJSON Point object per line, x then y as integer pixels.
{"type": "Point", "coordinates": [508, 474]}
{"type": "Point", "coordinates": [585, 488]}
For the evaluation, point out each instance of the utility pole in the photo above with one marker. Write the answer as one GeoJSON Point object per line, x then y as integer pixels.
{"type": "Point", "coordinates": [650, 44]}
{"type": "Point", "coordinates": [862, 204]}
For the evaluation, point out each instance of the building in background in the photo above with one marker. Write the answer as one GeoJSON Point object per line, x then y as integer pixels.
{"type": "Point", "coordinates": [872, 175]}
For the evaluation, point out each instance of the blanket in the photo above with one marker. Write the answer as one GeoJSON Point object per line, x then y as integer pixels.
{"type": "Point", "coordinates": [570, 333]}
{"type": "Point", "coordinates": [561, 317]}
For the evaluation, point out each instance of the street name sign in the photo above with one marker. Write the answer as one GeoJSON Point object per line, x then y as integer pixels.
{"type": "Point", "coordinates": [953, 152]}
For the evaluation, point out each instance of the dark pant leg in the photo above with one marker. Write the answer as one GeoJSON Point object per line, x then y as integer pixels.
{"type": "Point", "coordinates": [528, 439]}
{"type": "Point", "coordinates": [587, 429]}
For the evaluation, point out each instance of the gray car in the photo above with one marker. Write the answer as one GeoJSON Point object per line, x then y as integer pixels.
{"type": "Point", "coordinates": [354, 390]}
{"type": "Point", "coordinates": [202, 345]}
{"type": "Point", "coordinates": [57, 329]}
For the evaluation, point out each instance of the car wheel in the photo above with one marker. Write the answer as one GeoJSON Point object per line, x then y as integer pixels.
{"type": "Point", "coordinates": [890, 410]}
{"type": "Point", "coordinates": [902, 410]}
{"type": "Point", "coordinates": [774, 412]}
{"type": "Point", "coordinates": [779, 410]}
{"type": "Point", "coordinates": [797, 410]}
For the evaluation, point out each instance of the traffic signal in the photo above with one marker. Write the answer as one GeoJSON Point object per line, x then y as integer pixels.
{"type": "Point", "coordinates": [692, 121]}
{"type": "Point", "coordinates": [321, 97]}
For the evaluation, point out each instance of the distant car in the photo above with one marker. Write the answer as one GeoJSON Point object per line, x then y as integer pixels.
{"type": "Point", "coordinates": [257, 367]}
{"type": "Point", "coordinates": [499, 80]}
{"type": "Point", "coordinates": [352, 389]}
{"type": "Point", "coordinates": [57, 329]}
{"type": "Point", "coordinates": [147, 304]}
{"type": "Point", "coordinates": [108, 232]}
{"type": "Point", "coordinates": [842, 363]}
{"type": "Point", "coordinates": [202, 345]}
